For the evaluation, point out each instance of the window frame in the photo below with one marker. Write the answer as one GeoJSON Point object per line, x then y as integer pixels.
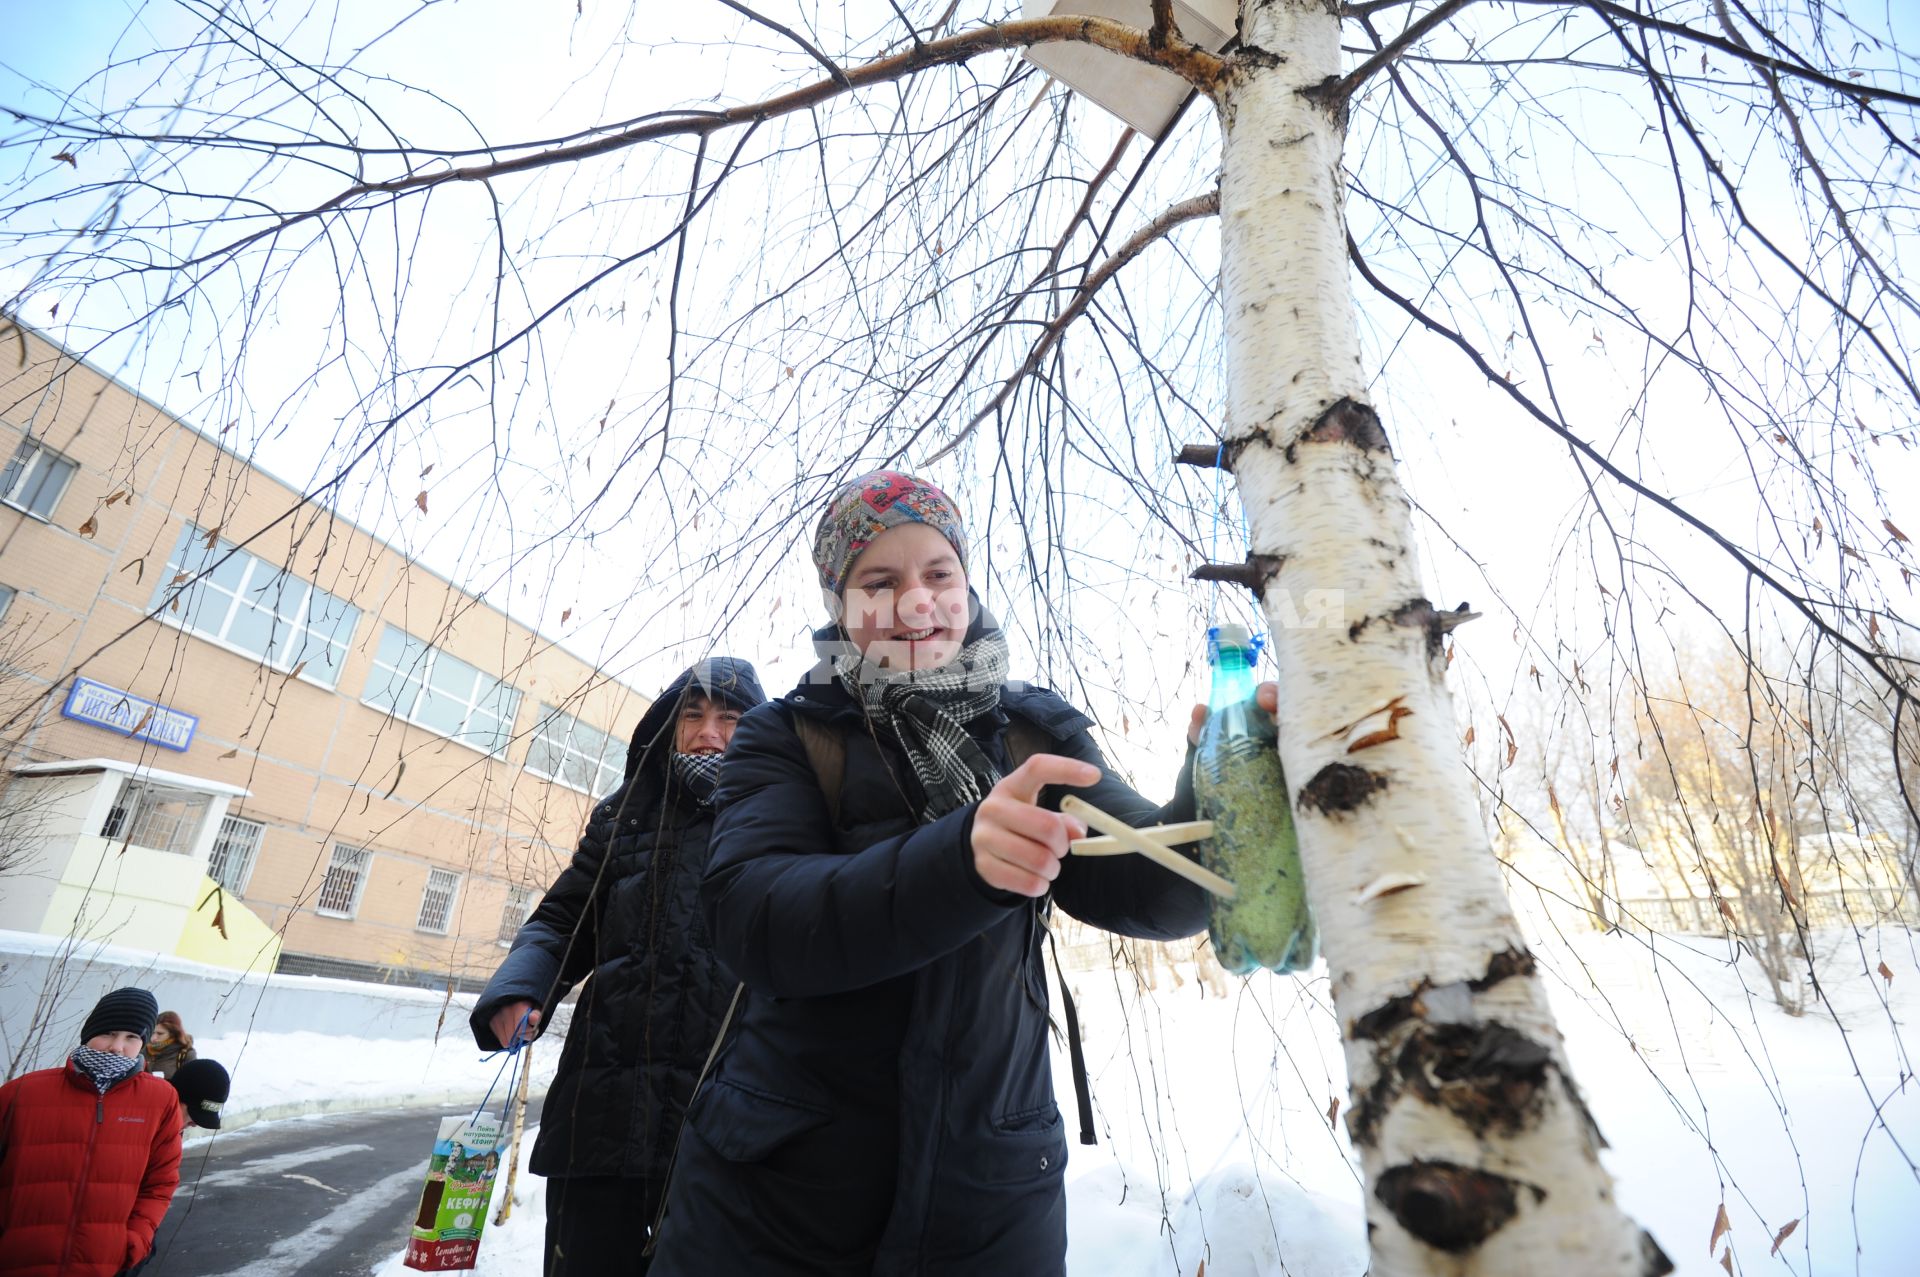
{"type": "Point", "coordinates": [362, 858]}
{"type": "Point", "coordinates": [610, 761]}
{"type": "Point", "coordinates": [527, 902]}
{"type": "Point", "coordinates": [34, 450]}
{"type": "Point", "coordinates": [177, 604]}
{"type": "Point", "coordinates": [412, 673]}
{"type": "Point", "coordinates": [238, 885]}
{"type": "Point", "coordinates": [427, 898]}
{"type": "Point", "coordinates": [135, 807]}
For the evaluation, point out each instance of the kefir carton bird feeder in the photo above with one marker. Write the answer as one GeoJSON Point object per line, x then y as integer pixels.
{"type": "Point", "coordinates": [453, 1203]}
{"type": "Point", "coordinates": [1146, 97]}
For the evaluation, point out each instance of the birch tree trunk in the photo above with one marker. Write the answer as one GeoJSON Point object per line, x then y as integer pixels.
{"type": "Point", "coordinates": [1479, 1155]}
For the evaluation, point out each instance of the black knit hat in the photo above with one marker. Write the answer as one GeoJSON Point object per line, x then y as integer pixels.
{"type": "Point", "coordinates": [122, 1011]}
{"type": "Point", "coordinates": [203, 1087]}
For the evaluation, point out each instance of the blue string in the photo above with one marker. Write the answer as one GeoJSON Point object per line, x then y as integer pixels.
{"type": "Point", "coordinates": [1213, 547]}
{"type": "Point", "coordinates": [509, 1067]}
{"type": "Point", "coordinates": [1213, 541]}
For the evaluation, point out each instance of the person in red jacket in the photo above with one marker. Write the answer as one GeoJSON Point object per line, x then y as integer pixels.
{"type": "Point", "coordinates": [89, 1151]}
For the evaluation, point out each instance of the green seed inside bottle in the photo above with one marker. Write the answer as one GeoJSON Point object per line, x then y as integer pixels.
{"type": "Point", "coordinates": [1239, 785]}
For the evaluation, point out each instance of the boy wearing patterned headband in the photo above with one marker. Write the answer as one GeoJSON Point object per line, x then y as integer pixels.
{"type": "Point", "coordinates": [90, 1151]}
{"type": "Point", "coordinates": [886, 1105]}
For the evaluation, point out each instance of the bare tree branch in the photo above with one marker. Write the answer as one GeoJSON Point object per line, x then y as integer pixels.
{"type": "Point", "coordinates": [1159, 228]}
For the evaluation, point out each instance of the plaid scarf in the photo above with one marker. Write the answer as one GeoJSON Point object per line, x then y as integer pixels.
{"type": "Point", "coordinates": [104, 1068]}
{"type": "Point", "coordinates": [699, 774]}
{"type": "Point", "coordinates": [928, 711]}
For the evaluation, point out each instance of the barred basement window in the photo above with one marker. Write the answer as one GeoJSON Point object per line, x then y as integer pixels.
{"type": "Point", "coordinates": [346, 879]}
{"type": "Point", "coordinates": [514, 916]}
{"type": "Point", "coordinates": [436, 902]}
{"type": "Point", "coordinates": [157, 817]}
{"type": "Point", "coordinates": [234, 849]}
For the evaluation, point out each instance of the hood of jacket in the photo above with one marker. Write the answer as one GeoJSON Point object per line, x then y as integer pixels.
{"type": "Point", "coordinates": [721, 678]}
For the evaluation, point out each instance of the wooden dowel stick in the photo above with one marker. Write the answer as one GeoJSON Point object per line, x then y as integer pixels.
{"type": "Point", "coordinates": [1166, 835]}
{"type": "Point", "coordinates": [519, 1125]}
{"type": "Point", "coordinates": [1165, 857]}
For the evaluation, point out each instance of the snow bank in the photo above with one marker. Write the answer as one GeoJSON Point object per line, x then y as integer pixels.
{"type": "Point", "coordinates": [298, 1074]}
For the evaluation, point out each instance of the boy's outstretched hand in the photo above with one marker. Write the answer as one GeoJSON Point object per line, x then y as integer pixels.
{"type": "Point", "coordinates": [1018, 846]}
{"type": "Point", "coordinates": [1266, 696]}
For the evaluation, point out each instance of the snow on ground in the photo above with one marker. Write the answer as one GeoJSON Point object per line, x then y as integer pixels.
{"type": "Point", "coordinates": [1220, 1146]}
{"type": "Point", "coordinates": [286, 1074]}
{"type": "Point", "coordinates": [1215, 1142]}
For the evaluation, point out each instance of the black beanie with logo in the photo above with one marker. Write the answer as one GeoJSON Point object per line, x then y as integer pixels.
{"type": "Point", "coordinates": [203, 1087]}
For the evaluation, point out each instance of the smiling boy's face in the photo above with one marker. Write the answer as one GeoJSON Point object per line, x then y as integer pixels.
{"type": "Point", "coordinates": [118, 1043]}
{"type": "Point", "coordinates": [705, 726]}
{"type": "Point", "coordinates": [905, 605]}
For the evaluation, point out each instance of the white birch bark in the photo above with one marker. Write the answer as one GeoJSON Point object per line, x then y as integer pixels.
{"type": "Point", "coordinates": [1478, 1154]}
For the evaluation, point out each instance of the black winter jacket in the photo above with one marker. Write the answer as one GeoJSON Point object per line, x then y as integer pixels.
{"type": "Point", "coordinates": [624, 916]}
{"type": "Point", "coordinates": [886, 1105]}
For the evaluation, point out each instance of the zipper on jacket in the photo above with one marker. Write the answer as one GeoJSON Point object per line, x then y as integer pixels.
{"type": "Point", "coordinates": [86, 1165]}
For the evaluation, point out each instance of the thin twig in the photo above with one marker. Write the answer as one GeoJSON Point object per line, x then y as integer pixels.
{"type": "Point", "coordinates": [1159, 228]}
{"type": "Point", "coordinates": [833, 68]}
{"type": "Point", "coordinates": [1350, 83]}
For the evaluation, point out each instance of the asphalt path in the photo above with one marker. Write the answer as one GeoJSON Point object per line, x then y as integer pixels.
{"type": "Point", "coordinates": [309, 1197]}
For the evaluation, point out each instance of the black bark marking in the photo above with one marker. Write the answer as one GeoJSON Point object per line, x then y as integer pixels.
{"type": "Point", "coordinates": [1421, 614]}
{"type": "Point", "coordinates": [1451, 1207]}
{"type": "Point", "coordinates": [1394, 1012]}
{"type": "Point", "coordinates": [1655, 1259]}
{"type": "Point", "coordinates": [1339, 787]}
{"type": "Point", "coordinates": [1486, 1074]}
{"type": "Point", "coordinates": [1489, 1076]}
{"type": "Point", "coordinates": [1350, 422]}
{"type": "Point", "coordinates": [1252, 57]}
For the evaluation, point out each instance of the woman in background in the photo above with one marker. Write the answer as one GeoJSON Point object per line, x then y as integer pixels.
{"type": "Point", "coordinates": [171, 1046]}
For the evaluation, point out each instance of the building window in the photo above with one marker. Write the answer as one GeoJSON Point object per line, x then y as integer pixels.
{"type": "Point", "coordinates": [577, 755]}
{"type": "Point", "coordinates": [519, 908]}
{"type": "Point", "coordinates": [35, 479]}
{"type": "Point", "coordinates": [346, 879]}
{"type": "Point", "coordinates": [157, 817]}
{"type": "Point", "coordinates": [416, 681]}
{"type": "Point", "coordinates": [436, 902]}
{"type": "Point", "coordinates": [6, 601]}
{"type": "Point", "coordinates": [246, 603]}
{"type": "Point", "coordinates": [234, 849]}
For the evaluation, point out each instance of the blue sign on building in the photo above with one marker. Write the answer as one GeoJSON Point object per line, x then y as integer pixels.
{"type": "Point", "coordinates": [129, 715]}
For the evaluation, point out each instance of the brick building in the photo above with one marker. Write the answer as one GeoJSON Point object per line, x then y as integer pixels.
{"type": "Point", "coordinates": [206, 682]}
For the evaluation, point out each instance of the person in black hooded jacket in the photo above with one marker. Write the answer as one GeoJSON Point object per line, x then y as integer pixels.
{"type": "Point", "coordinates": [624, 917]}
{"type": "Point", "coordinates": [885, 1104]}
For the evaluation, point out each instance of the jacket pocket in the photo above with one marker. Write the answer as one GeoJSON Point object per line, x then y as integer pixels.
{"type": "Point", "coordinates": [745, 1125]}
{"type": "Point", "coordinates": [1025, 1147]}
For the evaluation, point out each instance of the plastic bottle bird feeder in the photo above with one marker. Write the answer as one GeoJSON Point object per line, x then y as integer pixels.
{"type": "Point", "coordinates": [1146, 97]}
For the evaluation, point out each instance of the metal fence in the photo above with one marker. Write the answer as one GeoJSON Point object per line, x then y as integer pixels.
{"type": "Point", "coordinates": [1697, 915]}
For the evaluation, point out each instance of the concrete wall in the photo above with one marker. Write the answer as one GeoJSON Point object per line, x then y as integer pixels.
{"type": "Point", "coordinates": [46, 992]}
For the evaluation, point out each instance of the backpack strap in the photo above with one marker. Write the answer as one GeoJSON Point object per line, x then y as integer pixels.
{"type": "Point", "coordinates": [827, 754]}
{"type": "Point", "coordinates": [1024, 740]}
